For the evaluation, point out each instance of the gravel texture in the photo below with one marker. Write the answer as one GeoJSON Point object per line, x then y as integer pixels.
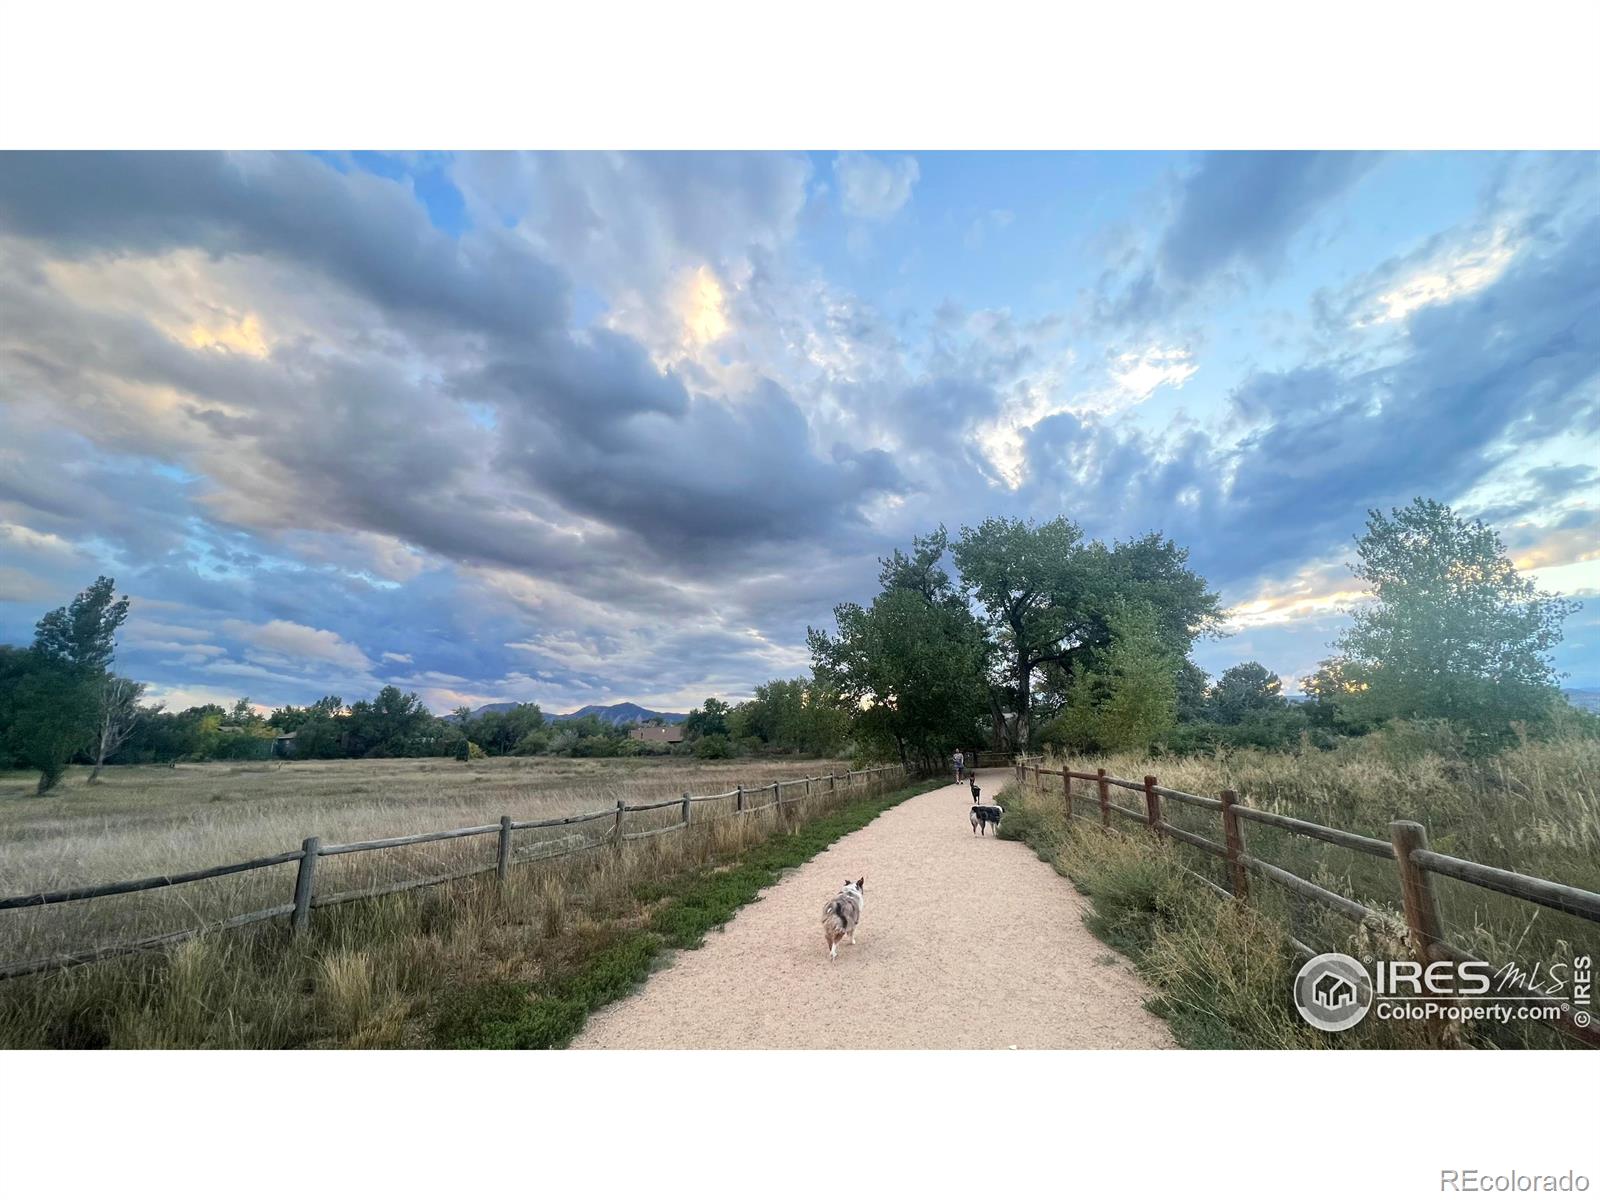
{"type": "Point", "coordinates": [967, 943]}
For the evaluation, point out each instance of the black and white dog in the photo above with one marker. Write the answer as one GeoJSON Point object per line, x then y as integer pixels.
{"type": "Point", "coordinates": [984, 815]}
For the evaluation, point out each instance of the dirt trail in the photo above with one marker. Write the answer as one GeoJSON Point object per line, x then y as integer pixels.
{"type": "Point", "coordinates": [967, 943]}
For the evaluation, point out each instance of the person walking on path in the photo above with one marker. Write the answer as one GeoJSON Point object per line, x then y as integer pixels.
{"type": "Point", "coordinates": [961, 766]}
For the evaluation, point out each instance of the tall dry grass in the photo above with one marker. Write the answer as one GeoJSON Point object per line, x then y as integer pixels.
{"type": "Point", "coordinates": [369, 972]}
{"type": "Point", "coordinates": [147, 821]}
{"type": "Point", "coordinates": [1533, 809]}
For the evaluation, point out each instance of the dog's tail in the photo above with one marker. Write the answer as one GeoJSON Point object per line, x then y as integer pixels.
{"type": "Point", "coordinates": [833, 923]}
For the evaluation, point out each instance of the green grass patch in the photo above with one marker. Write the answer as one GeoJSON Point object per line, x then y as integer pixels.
{"type": "Point", "coordinates": [514, 1016]}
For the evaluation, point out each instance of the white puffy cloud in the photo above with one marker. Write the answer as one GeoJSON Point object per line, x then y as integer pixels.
{"type": "Point", "coordinates": [297, 643]}
{"type": "Point", "coordinates": [875, 188]}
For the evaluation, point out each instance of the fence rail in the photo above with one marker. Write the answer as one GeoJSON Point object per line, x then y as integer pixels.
{"type": "Point", "coordinates": [312, 850]}
{"type": "Point", "coordinates": [1407, 848]}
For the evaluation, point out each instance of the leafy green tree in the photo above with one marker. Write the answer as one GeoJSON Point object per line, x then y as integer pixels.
{"type": "Point", "coordinates": [910, 670]}
{"type": "Point", "coordinates": [51, 694]}
{"type": "Point", "coordinates": [47, 709]}
{"type": "Point", "coordinates": [1246, 692]}
{"type": "Point", "coordinates": [789, 715]}
{"type": "Point", "coordinates": [535, 741]}
{"type": "Point", "coordinates": [320, 736]}
{"type": "Point", "coordinates": [1193, 705]}
{"type": "Point", "coordinates": [289, 719]}
{"type": "Point", "coordinates": [83, 634]}
{"type": "Point", "coordinates": [1048, 598]}
{"type": "Point", "coordinates": [1453, 630]}
{"type": "Point", "coordinates": [1126, 699]}
{"type": "Point", "coordinates": [709, 718]}
{"type": "Point", "coordinates": [390, 725]}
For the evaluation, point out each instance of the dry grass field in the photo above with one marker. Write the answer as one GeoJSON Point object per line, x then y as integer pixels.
{"type": "Point", "coordinates": [144, 821]}
{"type": "Point", "coordinates": [1534, 808]}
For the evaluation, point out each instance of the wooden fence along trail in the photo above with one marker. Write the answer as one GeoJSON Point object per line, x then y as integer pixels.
{"type": "Point", "coordinates": [305, 897]}
{"type": "Point", "coordinates": [1407, 849]}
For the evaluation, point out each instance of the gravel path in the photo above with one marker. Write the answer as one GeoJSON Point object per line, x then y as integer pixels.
{"type": "Point", "coordinates": [967, 943]}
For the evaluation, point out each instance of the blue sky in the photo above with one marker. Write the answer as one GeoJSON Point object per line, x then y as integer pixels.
{"type": "Point", "coordinates": [579, 428]}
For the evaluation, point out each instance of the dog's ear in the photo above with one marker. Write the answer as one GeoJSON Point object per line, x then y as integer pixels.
{"type": "Point", "coordinates": [861, 884]}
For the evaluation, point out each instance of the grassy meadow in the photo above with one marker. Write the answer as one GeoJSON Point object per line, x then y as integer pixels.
{"type": "Point", "coordinates": [1534, 809]}
{"type": "Point", "coordinates": [367, 972]}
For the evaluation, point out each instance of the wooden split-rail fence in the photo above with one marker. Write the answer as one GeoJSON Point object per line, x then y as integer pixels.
{"type": "Point", "coordinates": [747, 801]}
{"type": "Point", "coordinates": [1407, 848]}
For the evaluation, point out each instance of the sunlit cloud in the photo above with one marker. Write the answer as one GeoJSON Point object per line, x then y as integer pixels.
{"type": "Point", "coordinates": [1316, 592]}
{"type": "Point", "coordinates": [1137, 375]}
{"type": "Point", "coordinates": [23, 538]}
{"type": "Point", "coordinates": [705, 309]}
{"type": "Point", "coordinates": [1446, 278]}
{"type": "Point", "coordinates": [243, 336]}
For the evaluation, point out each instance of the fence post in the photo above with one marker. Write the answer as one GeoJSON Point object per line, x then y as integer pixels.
{"type": "Point", "coordinates": [1422, 909]}
{"type": "Point", "coordinates": [616, 830]}
{"type": "Point", "coordinates": [833, 782]}
{"type": "Point", "coordinates": [1066, 791]}
{"type": "Point", "coordinates": [1036, 776]}
{"type": "Point", "coordinates": [1416, 889]}
{"type": "Point", "coordinates": [1152, 804]}
{"type": "Point", "coordinates": [686, 808]}
{"type": "Point", "coordinates": [738, 798]}
{"type": "Point", "coordinates": [502, 866]}
{"type": "Point", "coordinates": [304, 879]}
{"type": "Point", "coordinates": [1234, 837]}
{"type": "Point", "coordinates": [1105, 796]}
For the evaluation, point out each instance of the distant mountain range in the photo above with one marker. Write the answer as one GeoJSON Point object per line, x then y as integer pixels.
{"type": "Point", "coordinates": [624, 712]}
{"type": "Point", "coordinates": [1588, 698]}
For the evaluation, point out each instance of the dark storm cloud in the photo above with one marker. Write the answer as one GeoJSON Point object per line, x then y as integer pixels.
{"type": "Point", "coordinates": [354, 440]}
{"type": "Point", "coordinates": [719, 475]}
{"type": "Point", "coordinates": [587, 385]}
{"type": "Point", "coordinates": [366, 233]}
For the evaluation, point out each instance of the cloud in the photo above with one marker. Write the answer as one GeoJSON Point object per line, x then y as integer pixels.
{"type": "Point", "coordinates": [986, 225]}
{"type": "Point", "coordinates": [1241, 209]}
{"type": "Point", "coordinates": [359, 230]}
{"type": "Point", "coordinates": [21, 587]}
{"type": "Point", "coordinates": [1234, 216]}
{"type": "Point", "coordinates": [622, 436]}
{"type": "Point", "coordinates": [874, 188]}
{"type": "Point", "coordinates": [299, 642]}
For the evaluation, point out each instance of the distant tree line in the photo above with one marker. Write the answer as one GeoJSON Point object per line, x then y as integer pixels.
{"type": "Point", "coordinates": [1043, 640]}
{"type": "Point", "coordinates": [61, 703]}
{"type": "Point", "coordinates": [1051, 641]}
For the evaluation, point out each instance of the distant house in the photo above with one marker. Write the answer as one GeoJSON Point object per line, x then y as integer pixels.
{"type": "Point", "coordinates": [283, 745]}
{"type": "Point", "coordinates": [668, 735]}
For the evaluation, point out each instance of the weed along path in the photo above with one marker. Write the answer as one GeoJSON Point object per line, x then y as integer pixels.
{"type": "Point", "coordinates": [967, 943]}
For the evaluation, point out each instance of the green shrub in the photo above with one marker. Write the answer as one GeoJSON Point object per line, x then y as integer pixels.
{"type": "Point", "coordinates": [713, 745]}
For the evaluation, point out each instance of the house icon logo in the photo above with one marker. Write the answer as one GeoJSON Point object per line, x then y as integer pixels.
{"type": "Point", "coordinates": [1333, 992]}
